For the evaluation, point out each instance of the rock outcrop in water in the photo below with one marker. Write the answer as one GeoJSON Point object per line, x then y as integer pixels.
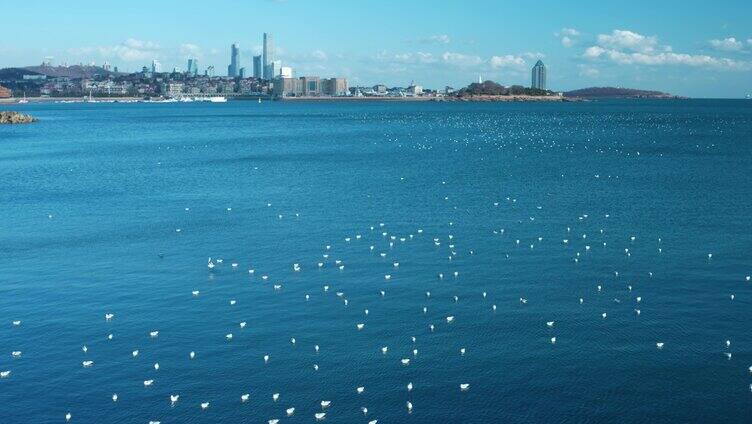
{"type": "Point", "coordinates": [15, 118]}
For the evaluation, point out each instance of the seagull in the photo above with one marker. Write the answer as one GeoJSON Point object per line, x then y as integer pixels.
{"type": "Point", "coordinates": [273, 421]}
{"type": "Point", "coordinates": [16, 354]}
{"type": "Point", "coordinates": [553, 340]}
{"type": "Point", "coordinates": [320, 416]}
{"type": "Point", "coordinates": [659, 345]}
{"type": "Point", "coordinates": [6, 374]}
{"type": "Point", "coordinates": [68, 416]}
{"type": "Point", "coordinates": [84, 349]}
{"type": "Point", "coordinates": [154, 334]}
{"type": "Point", "coordinates": [603, 315]}
{"type": "Point", "coordinates": [550, 323]}
{"type": "Point", "coordinates": [410, 386]}
{"type": "Point", "coordinates": [464, 387]}
{"type": "Point", "coordinates": [523, 300]}
{"type": "Point", "coordinates": [359, 389]}
{"type": "Point", "coordinates": [195, 293]}
{"type": "Point", "coordinates": [87, 364]}
{"type": "Point", "coordinates": [449, 319]}
{"type": "Point", "coordinates": [109, 316]}
{"type": "Point", "coordinates": [360, 326]}
{"type": "Point", "coordinates": [275, 396]}
{"type": "Point", "coordinates": [242, 324]}
{"type": "Point", "coordinates": [134, 353]}
{"type": "Point", "coordinates": [325, 404]}
{"type": "Point", "coordinates": [229, 336]}
{"type": "Point", "coordinates": [114, 397]}
{"type": "Point", "coordinates": [290, 412]}
{"type": "Point", "coordinates": [174, 399]}
{"type": "Point", "coordinates": [244, 397]}
{"type": "Point", "coordinates": [204, 405]}
{"type": "Point", "coordinates": [156, 366]}
{"type": "Point", "coordinates": [192, 354]}
{"type": "Point", "coordinates": [148, 383]}
{"type": "Point", "coordinates": [406, 361]}
{"type": "Point", "coordinates": [409, 407]}
{"type": "Point", "coordinates": [384, 350]}
{"type": "Point", "coordinates": [16, 323]}
{"type": "Point", "coordinates": [365, 410]}
{"type": "Point", "coordinates": [266, 359]}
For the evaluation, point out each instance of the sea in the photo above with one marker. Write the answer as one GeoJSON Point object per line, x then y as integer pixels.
{"type": "Point", "coordinates": [401, 262]}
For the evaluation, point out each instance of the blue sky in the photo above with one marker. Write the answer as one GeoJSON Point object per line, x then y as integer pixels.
{"type": "Point", "coordinates": [693, 48]}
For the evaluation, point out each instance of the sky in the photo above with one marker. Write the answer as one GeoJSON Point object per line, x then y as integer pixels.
{"type": "Point", "coordinates": [691, 48]}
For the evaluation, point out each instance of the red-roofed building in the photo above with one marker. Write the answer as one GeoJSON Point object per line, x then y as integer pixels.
{"type": "Point", "coordinates": [4, 93]}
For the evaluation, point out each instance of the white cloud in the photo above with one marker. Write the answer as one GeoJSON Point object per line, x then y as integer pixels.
{"type": "Point", "coordinates": [318, 55]}
{"type": "Point", "coordinates": [589, 71]}
{"type": "Point", "coordinates": [628, 40]}
{"type": "Point", "coordinates": [534, 55]}
{"type": "Point", "coordinates": [567, 36]}
{"type": "Point", "coordinates": [436, 39]}
{"type": "Point", "coordinates": [727, 44]}
{"type": "Point", "coordinates": [131, 50]}
{"type": "Point", "coordinates": [462, 60]}
{"type": "Point", "coordinates": [630, 48]}
{"type": "Point", "coordinates": [507, 61]}
{"type": "Point", "coordinates": [190, 50]}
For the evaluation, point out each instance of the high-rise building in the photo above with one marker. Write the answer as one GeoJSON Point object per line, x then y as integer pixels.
{"type": "Point", "coordinates": [275, 67]}
{"type": "Point", "coordinates": [268, 53]}
{"type": "Point", "coordinates": [241, 73]}
{"type": "Point", "coordinates": [209, 71]}
{"type": "Point", "coordinates": [156, 67]}
{"type": "Point", "coordinates": [234, 68]}
{"type": "Point", "coordinates": [285, 72]}
{"type": "Point", "coordinates": [539, 76]}
{"type": "Point", "coordinates": [192, 67]}
{"type": "Point", "coordinates": [257, 70]}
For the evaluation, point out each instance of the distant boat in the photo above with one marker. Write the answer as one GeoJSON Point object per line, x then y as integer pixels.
{"type": "Point", "coordinates": [218, 99]}
{"type": "Point", "coordinates": [24, 100]}
{"type": "Point", "coordinates": [259, 100]}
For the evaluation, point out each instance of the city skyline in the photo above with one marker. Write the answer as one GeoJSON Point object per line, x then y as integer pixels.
{"type": "Point", "coordinates": [596, 48]}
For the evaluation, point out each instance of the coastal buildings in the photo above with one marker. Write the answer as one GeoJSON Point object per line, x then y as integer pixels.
{"type": "Point", "coordinates": [539, 76]}
{"type": "Point", "coordinates": [309, 86]}
{"type": "Point", "coordinates": [4, 92]}
{"type": "Point", "coordinates": [285, 72]}
{"type": "Point", "coordinates": [268, 56]}
{"type": "Point", "coordinates": [257, 71]}
{"type": "Point", "coordinates": [156, 67]}
{"type": "Point", "coordinates": [234, 68]}
{"type": "Point", "coordinates": [334, 87]}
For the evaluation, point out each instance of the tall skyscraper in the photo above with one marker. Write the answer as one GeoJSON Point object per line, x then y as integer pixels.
{"type": "Point", "coordinates": [192, 67]}
{"type": "Point", "coordinates": [234, 68]}
{"type": "Point", "coordinates": [257, 70]}
{"type": "Point", "coordinates": [539, 76]}
{"type": "Point", "coordinates": [156, 67]}
{"type": "Point", "coordinates": [268, 56]}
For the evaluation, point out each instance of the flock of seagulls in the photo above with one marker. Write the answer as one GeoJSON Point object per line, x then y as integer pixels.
{"type": "Point", "coordinates": [385, 240]}
{"type": "Point", "coordinates": [389, 248]}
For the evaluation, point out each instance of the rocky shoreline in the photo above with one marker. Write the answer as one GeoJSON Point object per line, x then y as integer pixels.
{"type": "Point", "coordinates": [15, 118]}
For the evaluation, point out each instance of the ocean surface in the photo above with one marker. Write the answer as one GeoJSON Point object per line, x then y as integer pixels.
{"type": "Point", "coordinates": [521, 221]}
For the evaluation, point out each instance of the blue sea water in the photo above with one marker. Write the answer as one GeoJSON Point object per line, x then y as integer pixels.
{"type": "Point", "coordinates": [94, 195]}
